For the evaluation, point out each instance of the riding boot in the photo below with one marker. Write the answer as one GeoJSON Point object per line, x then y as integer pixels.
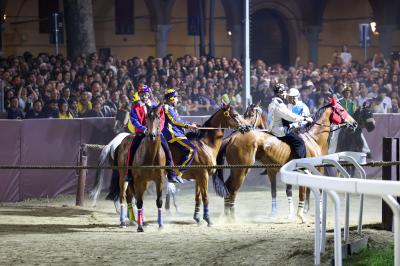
{"type": "Point", "coordinates": [172, 177]}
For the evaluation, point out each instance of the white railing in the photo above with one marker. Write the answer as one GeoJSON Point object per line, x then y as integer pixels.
{"type": "Point", "coordinates": [291, 173]}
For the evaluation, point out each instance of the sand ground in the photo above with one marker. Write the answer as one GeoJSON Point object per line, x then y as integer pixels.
{"type": "Point", "coordinates": [55, 232]}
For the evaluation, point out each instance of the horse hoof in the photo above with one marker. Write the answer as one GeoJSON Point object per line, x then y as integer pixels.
{"type": "Point", "coordinates": [207, 219]}
{"type": "Point", "coordinates": [196, 217]}
{"type": "Point", "coordinates": [122, 225]}
{"type": "Point", "coordinates": [140, 229]}
{"type": "Point", "coordinates": [160, 227]}
{"type": "Point", "coordinates": [133, 223]}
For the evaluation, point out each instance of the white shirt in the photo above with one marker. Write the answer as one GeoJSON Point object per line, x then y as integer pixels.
{"type": "Point", "coordinates": [277, 111]}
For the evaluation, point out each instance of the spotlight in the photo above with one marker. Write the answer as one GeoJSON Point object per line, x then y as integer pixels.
{"type": "Point", "coordinates": [373, 28]}
{"type": "Point", "coordinates": [229, 33]}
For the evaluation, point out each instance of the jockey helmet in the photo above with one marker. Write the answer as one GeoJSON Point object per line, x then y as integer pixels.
{"type": "Point", "coordinates": [135, 97]}
{"type": "Point", "coordinates": [279, 88]}
{"type": "Point", "coordinates": [169, 93]}
{"type": "Point", "coordinates": [144, 88]}
{"type": "Point", "coordinates": [293, 92]}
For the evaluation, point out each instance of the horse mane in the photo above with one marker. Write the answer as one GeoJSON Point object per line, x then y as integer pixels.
{"type": "Point", "coordinates": [316, 117]}
{"type": "Point", "coordinates": [200, 133]}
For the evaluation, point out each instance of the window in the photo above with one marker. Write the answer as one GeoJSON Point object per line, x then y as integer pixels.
{"type": "Point", "coordinates": [124, 17]}
{"type": "Point", "coordinates": [46, 7]}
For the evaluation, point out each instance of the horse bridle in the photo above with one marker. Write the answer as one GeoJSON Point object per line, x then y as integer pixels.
{"type": "Point", "coordinates": [342, 123]}
{"type": "Point", "coordinates": [227, 113]}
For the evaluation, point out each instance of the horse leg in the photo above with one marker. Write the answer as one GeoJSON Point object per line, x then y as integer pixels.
{"type": "Point", "coordinates": [204, 195]}
{"type": "Point", "coordinates": [272, 179]}
{"type": "Point", "coordinates": [233, 184]}
{"type": "Point", "coordinates": [174, 192]}
{"type": "Point", "coordinates": [307, 201]}
{"type": "Point", "coordinates": [159, 203]}
{"type": "Point", "coordinates": [167, 198]}
{"type": "Point", "coordinates": [300, 210]}
{"type": "Point", "coordinates": [289, 195]}
{"type": "Point", "coordinates": [131, 214]}
{"type": "Point", "coordinates": [140, 188]}
{"type": "Point", "coordinates": [123, 202]}
{"type": "Point", "coordinates": [196, 215]}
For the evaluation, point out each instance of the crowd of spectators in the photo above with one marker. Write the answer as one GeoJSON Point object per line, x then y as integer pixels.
{"type": "Point", "coordinates": [49, 86]}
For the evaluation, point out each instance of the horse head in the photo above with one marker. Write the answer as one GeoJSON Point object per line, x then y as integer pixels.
{"type": "Point", "coordinates": [364, 116]}
{"type": "Point", "coordinates": [339, 116]}
{"type": "Point", "coordinates": [227, 116]}
{"type": "Point", "coordinates": [121, 121]}
{"type": "Point", "coordinates": [254, 115]}
{"type": "Point", "coordinates": [153, 121]}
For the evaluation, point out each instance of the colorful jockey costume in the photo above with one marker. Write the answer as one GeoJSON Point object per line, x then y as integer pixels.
{"type": "Point", "coordinates": [138, 117]}
{"type": "Point", "coordinates": [174, 131]}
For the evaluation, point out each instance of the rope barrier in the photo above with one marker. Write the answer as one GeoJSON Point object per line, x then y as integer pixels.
{"type": "Point", "coordinates": [68, 167]}
{"type": "Point", "coordinates": [95, 146]}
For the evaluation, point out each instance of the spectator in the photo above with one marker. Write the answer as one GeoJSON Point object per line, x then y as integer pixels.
{"type": "Point", "coordinates": [395, 105]}
{"type": "Point", "coordinates": [64, 110]}
{"type": "Point", "coordinates": [345, 55]}
{"type": "Point", "coordinates": [14, 111]}
{"type": "Point", "coordinates": [52, 111]}
{"type": "Point", "coordinates": [347, 102]}
{"type": "Point", "coordinates": [73, 107]}
{"type": "Point", "coordinates": [36, 111]}
{"type": "Point", "coordinates": [95, 112]}
{"type": "Point", "coordinates": [386, 104]}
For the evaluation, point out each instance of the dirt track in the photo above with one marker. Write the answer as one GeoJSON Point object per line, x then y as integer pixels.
{"type": "Point", "coordinates": [57, 233]}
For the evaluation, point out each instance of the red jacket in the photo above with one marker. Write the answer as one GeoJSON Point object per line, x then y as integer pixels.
{"type": "Point", "coordinates": [138, 117]}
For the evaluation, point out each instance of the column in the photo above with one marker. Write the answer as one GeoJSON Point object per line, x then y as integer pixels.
{"type": "Point", "coordinates": [237, 41]}
{"type": "Point", "coordinates": [162, 39]}
{"type": "Point", "coordinates": [312, 33]}
{"type": "Point", "coordinates": [385, 39]}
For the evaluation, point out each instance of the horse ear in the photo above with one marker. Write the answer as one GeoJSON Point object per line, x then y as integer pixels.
{"type": "Point", "coordinates": [258, 103]}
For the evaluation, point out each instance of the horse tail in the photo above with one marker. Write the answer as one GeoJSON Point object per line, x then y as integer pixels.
{"type": "Point", "coordinates": [98, 182]}
{"type": "Point", "coordinates": [113, 193]}
{"type": "Point", "coordinates": [218, 177]}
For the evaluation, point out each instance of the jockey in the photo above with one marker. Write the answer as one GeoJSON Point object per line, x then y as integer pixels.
{"type": "Point", "coordinates": [174, 130]}
{"type": "Point", "coordinates": [277, 114]}
{"type": "Point", "coordinates": [297, 107]}
{"type": "Point", "coordinates": [138, 118]}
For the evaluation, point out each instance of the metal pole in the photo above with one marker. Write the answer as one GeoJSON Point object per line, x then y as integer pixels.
{"type": "Point", "coordinates": [80, 193]}
{"type": "Point", "coordinates": [246, 100]}
{"type": "Point", "coordinates": [56, 31]}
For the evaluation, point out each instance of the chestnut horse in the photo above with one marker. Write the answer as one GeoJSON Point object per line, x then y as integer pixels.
{"type": "Point", "coordinates": [149, 153]}
{"type": "Point", "coordinates": [266, 148]}
{"type": "Point", "coordinates": [208, 143]}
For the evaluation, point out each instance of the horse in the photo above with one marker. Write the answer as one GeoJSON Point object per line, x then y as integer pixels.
{"type": "Point", "coordinates": [149, 153]}
{"type": "Point", "coordinates": [350, 140]}
{"type": "Point", "coordinates": [264, 147]}
{"type": "Point", "coordinates": [207, 143]}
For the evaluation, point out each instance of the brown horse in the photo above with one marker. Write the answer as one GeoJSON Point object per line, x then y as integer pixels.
{"type": "Point", "coordinates": [149, 153]}
{"type": "Point", "coordinates": [208, 143]}
{"type": "Point", "coordinates": [255, 145]}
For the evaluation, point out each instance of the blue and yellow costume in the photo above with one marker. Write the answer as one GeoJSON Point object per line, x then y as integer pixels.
{"type": "Point", "coordinates": [138, 117]}
{"type": "Point", "coordinates": [174, 131]}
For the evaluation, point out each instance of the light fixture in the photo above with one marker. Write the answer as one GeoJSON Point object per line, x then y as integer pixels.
{"type": "Point", "coordinates": [229, 33]}
{"type": "Point", "coordinates": [373, 28]}
{"type": "Point", "coordinates": [4, 17]}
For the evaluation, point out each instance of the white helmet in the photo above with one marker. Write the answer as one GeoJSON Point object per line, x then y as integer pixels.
{"type": "Point", "coordinates": [293, 93]}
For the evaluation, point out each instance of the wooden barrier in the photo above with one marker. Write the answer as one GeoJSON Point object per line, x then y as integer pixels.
{"type": "Point", "coordinates": [80, 193]}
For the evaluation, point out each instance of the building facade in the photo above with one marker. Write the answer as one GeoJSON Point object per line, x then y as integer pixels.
{"type": "Point", "coordinates": [281, 30]}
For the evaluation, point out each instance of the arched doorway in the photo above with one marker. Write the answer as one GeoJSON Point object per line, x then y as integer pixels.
{"type": "Point", "coordinates": [269, 37]}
